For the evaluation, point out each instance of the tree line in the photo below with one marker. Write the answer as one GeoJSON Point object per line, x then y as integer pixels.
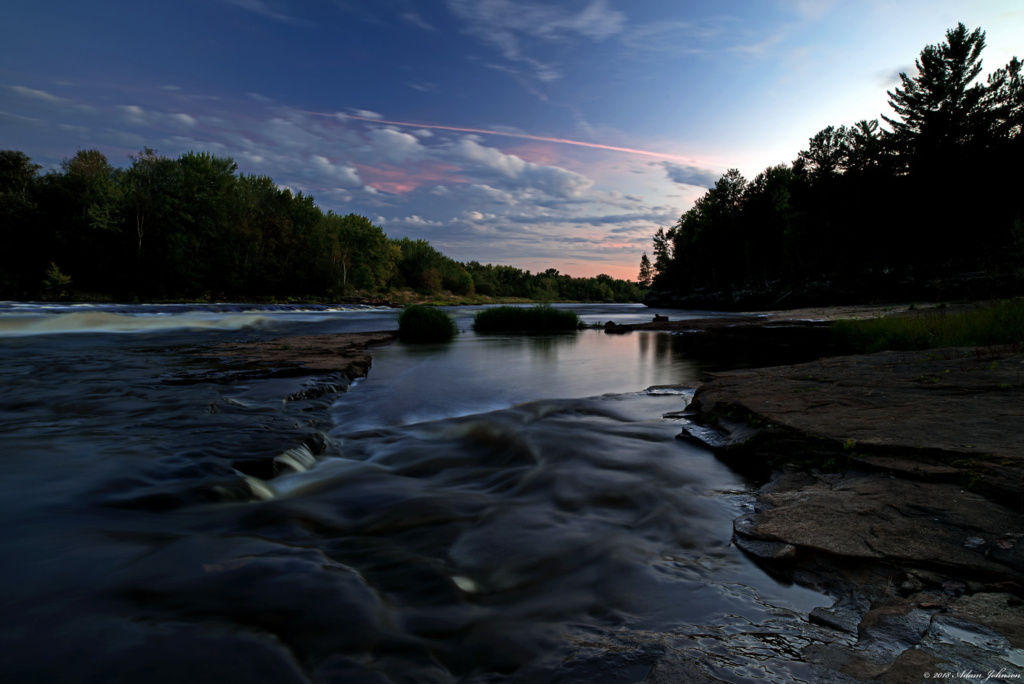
{"type": "Point", "coordinates": [193, 227]}
{"type": "Point", "coordinates": [870, 209]}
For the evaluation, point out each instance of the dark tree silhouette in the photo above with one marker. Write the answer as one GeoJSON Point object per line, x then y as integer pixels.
{"type": "Point", "coordinates": [646, 272]}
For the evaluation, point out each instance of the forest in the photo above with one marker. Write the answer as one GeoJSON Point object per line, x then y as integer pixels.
{"type": "Point", "coordinates": [194, 228]}
{"type": "Point", "coordinates": [928, 204]}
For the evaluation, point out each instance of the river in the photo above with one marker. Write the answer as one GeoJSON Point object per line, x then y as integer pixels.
{"type": "Point", "coordinates": [501, 508]}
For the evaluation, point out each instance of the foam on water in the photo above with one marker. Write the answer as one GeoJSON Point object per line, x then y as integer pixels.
{"type": "Point", "coordinates": [106, 322]}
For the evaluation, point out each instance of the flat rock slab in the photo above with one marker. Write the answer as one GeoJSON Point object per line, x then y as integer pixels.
{"type": "Point", "coordinates": [873, 517]}
{"type": "Point", "coordinates": [344, 353]}
{"type": "Point", "coordinates": [962, 401]}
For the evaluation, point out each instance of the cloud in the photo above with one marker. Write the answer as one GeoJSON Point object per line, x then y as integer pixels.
{"type": "Point", "coordinates": [339, 173]}
{"type": "Point", "coordinates": [513, 171]}
{"type": "Point", "coordinates": [403, 179]}
{"type": "Point", "coordinates": [17, 120]}
{"type": "Point", "coordinates": [509, 25]}
{"type": "Point", "coordinates": [137, 116]}
{"type": "Point", "coordinates": [365, 114]}
{"type": "Point", "coordinates": [889, 78]}
{"type": "Point", "coordinates": [690, 175]}
{"type": "Point", "coordinates": [812, 10]}
{"type": "Point", "coordinates": [413, 220]}
{"type": "Point", "coordinates": [290, 134]}
{"type": "Point", "coordinates": [647, 217]}
{"type": "Point", "coordinates": [184, 120]}
{"type": "Point", "coordinates": [39, 95]}
{"type": "Point", "coordinates": [394, 145]}
{"type": "Point", "coordinates": [417, 21]}
{"type": "Point", "coordinates": [134, 114]}
{"type": "Point", "coordinates": [759, 48]}
{"type": "Point", "coordinates": [485, 193]}
{"type": "Point", "coordinates": [507, 20]}
{"type": "Point", "coordinates": [262, 8]}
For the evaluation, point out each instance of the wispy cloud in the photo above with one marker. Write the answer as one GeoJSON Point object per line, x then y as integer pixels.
{"type": "Point", "coordinates": [262, 8]}
{"type": "Point", "coordinates": [416, 20]}
{"type": "Point", "coordinates": [38, 95]}
{"type": "Point", "coordinates": [338, 173]}
{"type": "Point", "coordinates": [812, 10]}
{"type": "Point", "coordinates": [366, 114]}
{"type": "Point", "coordinates": [17, 120]}
{"type": "Point", "coordinates": [759, 48]}
{"type": "Point", "coordinates": [512, 134]}
{"type": "Point", "coordinates": [690, 175]}
{"type": "Point", "coordinates": [510, 26]}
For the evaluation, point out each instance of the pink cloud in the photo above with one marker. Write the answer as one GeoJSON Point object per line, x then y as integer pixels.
{"type": "Point", "coordinates": [401, 180]}
{"type": "Point", "coordinates": [537, 153]}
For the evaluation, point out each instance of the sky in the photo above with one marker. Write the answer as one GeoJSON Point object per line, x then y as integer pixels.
{"type": "Point", "coordinates": [540, 134]}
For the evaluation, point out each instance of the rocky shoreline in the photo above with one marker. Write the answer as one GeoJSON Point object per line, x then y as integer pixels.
{"type": "Point", "coordinates": [893, 481]}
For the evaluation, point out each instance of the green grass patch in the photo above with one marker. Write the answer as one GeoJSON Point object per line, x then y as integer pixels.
{"type": "Point", "coordinates": [420, 323]}
{"type": "Point", "coordinates": [540, 318]}
{"type": "Point", "coordinates": [991, 324]}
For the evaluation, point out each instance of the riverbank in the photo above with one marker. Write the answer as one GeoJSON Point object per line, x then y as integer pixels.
{"type": "Point", "coordinates": [895, 481]}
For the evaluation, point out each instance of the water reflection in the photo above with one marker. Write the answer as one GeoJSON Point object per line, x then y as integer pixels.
{"type": "Point", "coordinates": [476, 373]}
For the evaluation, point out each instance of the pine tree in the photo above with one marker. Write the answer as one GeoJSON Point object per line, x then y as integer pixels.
{"type": "Point", "coordinates": [940, 108]}
{"type": "Point", "coordinates": [646, 272]}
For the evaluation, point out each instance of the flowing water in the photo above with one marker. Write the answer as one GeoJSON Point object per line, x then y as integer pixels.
{"type": "Point", "coordinates": [504, 508]}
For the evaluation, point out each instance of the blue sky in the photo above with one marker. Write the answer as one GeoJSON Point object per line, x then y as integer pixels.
{"type": "Point", "coordinates": [556, 134]}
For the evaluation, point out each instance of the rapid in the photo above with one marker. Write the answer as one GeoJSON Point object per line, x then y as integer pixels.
{"type": "Point", "coordinates": [501, 508]}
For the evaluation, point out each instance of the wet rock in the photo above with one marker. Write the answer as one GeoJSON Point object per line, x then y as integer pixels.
{"type": "Point", "coordinates": [911, 585]}
{"type": "Point", "coordinates": [824, 617]}
{"type": "Point", "coordinates": [873, 517]}
{"type": "Point", "coordinates": [767, 550]}
{"type": "Point", "coordinates": [907, 468]}
{"type": "Point", "coordinates": [672, 669]}
{"type": "Point", "coordinates": [996, 610]}
{"type": "Point", "coordinates": [873, 412]}
{"type": "Point", "coordinates": [844, 615]}
{"type": "Point", "coordinates": [321, 387]}
{"type": "Point", "coordinates": [893, 625]}
{"type": "Point", "coordinates": [345, 353]}
{"type": "Point", "coordinates": [967, 646]}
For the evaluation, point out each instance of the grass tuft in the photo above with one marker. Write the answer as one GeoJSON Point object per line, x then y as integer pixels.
{"type": "Point", "coordinates": [541, 318]}
{"type": "Point", "coordinates": [992, 324]}
{"type": "Point", "coordinates": [418, 323]}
